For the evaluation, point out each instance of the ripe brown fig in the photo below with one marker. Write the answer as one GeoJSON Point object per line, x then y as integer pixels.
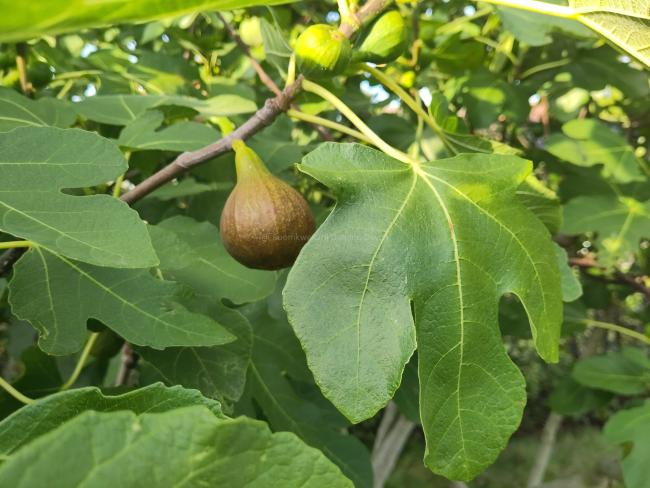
{"type": "Point", "coordinates": [265, 222]}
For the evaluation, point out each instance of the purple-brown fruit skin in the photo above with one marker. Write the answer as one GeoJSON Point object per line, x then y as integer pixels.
{"type": "Point", "coordinates": [265, 222]}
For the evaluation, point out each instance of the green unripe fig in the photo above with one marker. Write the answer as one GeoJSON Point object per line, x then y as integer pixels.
{"type": "Point", "coordinates": [385, 41]}
{"type": "Point", "coordinates": [322, 51]}
{"type": "Point", "coordinates": [265, 222]}
{"type": "Point", "coordinates": [39, 74]}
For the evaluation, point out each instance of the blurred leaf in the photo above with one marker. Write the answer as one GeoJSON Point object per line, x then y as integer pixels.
{"type": "Point", "coordinates": [48, 413]}
{"type": "Point", "coordinates": [141, 133]}
{"type": "Point", "coordinates": [123, 109]}
{"type": "Point", "coordinates": [536, 29]}
{"type": "Point", "coordinates": [276, 47]}
{"type": "Point", "coordinates": [626, 372]}
{"type": "Point", "coordinates": [36, 163]}
{"type": "Point", "coordinates": [632, 426]}
{"type": "Point", "coordinates": [571, 398]}
{"type": "Point", "coordinates": [620, 222]}
{"type": "Point", "coordinates": [28, 20]}
{"type": "Point", "coordinates": [588, 142]}
{"type": "Point", "coordinates": [185, 188]}
{"type": "Point", "coordinates": [142, 309]}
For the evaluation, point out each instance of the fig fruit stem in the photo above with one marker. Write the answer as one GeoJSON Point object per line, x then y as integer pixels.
{"type": "Point", "coordinates": [330, 124]}
{"type": "Point", "coordinates": [348, 113]}
{"type": "Point", "coordinates": [81, 361]}
{"type": "Point", "coordinates": [15, 393]}
{"type": "Point", "coordinates": [392, 85]}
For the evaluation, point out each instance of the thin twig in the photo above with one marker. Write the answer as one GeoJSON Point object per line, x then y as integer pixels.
{"type": "Point", "coordinates": [386, 454]}
{"type": "Point", "coordinates": [21, 66]}
{"type": "Point", "coordinates": [350, 25]}
{"type": "Point", "coordinates": [386, 422]}
{"type": "Point", "coordinates": [260, 119]}
{"type": "Point", "coordinates": [619, 277]}
{"type": "Point", "coordinates": [545, 450]}
{"type": "Point", "coordinates": [263, 76]}
{"type": "Point", "coordinates": [129, 361]}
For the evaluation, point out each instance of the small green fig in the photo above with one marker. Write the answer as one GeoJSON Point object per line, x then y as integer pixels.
{"type": "Point", "coordinates": [265, 222]}
{"type": "Point", "coordinates": [385, 41]}
{"type": "Point", "coordinates": [322, 51]}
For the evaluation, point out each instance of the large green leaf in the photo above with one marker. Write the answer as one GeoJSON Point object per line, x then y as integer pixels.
{"type": "Point", "coordinates": [46, 414]}
{"type": "Point", "coordinates": [632, 426]}
{"type": "Point", "coordinates": [277, 362]}
{"type": "Point", "coordinates": [33, 19]}
{"type": "Point", "coordinates": [217, 371]}
{"type": "Point", "coordinates": [36, 163]}
{"type": "Point", "coordinates": [17, 110]}
{"type": "Point", "coordinates": [183, 447]}
{"type": "Point", "coordinates": [192, 252]}
{"type": "Point", "coordinates": [445, 239]}
{"type": "Point", "coordinates": [57, 296]}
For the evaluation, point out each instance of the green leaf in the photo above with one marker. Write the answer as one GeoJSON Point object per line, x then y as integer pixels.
{"type": "Point", "coordinates": [620, 222]}
{"type": "Point", "coordinates": [626, 372]}
{"type": "Point", "coordinates": [57, 296]}
{"type": "Point", "coordinates": [588, 142]}
{"type": "Point", "coordinates": [40, 377]}
{"type": "Point", "coordinates": [186, 187]}
{"type": "Point", "coordinates": [124, 109]}
{"type": "Point", "coordinates": [17, 111]}
{"type": "Point", "coordinates": [218, 371]}
{"type": "Point", "coordinates": [625, 23]}
{"type": "Point", "coordinates": [187, 446]}
{"type": "Point", "coordinates": [632, 426]}
{"type": "Point", "coordinates": [276, 48]}
{"type": "Point", "coordinates": [571, 398]}
{"type": "Point", "coordinates": [36, 163]}
{"type": "Point", "coordinates": [192, 252]}
{"type": "Point", "coordinates": [537, 29]}
{"type": "Point", "coordinates": [41, 417]}
{"type": "Point", "coordinates": [571, 286]}
{"type": "Point", "coordinates": [141, 133]}
{"type": "Point", "coordinates": [28, 20]}
{"type": "Point", "coordinates": [277, 360]}
{"type": "Point", "coordinates": [542, 201]}
{"type": "Point", "coordinates": [447, 239]}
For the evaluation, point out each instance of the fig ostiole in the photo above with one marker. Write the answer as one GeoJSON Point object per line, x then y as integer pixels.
{"type": "Point", "coordinates": [265, 222]}
{"type": "Point", "coordinates": [322, 51]}
{"type": "Point", "coordinates": [385, 41]}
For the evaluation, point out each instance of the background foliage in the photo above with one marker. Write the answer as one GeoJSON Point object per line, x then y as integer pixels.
{"type": "Point", "coordinates": [507, 226]}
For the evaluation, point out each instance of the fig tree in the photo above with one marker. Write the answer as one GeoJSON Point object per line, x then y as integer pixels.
{"type": "Point", "coordinates": [265, 222]}
{"type": "Point", "coordinates": [385, 41]}
{"type": "Point", "coordinates": [322, 51]}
